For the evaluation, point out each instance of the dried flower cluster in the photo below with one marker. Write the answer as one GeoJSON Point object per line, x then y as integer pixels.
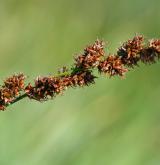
{"type": "Point", "coordinates": [112, 66]}
{"type": "Point", "coordinates": [91, 57]}
{"type": "Point", "coordinates": [151, 53]}
{"type": "Point", "coordinates": [11, 89]}
{"type": "Point", "coordinates": [48, 87]}
{"type": "Point", "coordinates": [134, 51]}
{"type": "Point", "coordinates": [130, 51]}
{"type": "Point", "coordinates": [81, 73]}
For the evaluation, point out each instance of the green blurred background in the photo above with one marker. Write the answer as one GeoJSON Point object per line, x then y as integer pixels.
{"type": "Point", "coordinates": [114, 122]}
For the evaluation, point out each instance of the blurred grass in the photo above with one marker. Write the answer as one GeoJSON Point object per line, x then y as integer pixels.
{"type": "Point", "coordinates": [113, 122]}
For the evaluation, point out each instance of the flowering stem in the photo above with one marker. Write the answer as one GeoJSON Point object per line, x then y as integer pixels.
{"type": "Point", "coordinates": [81, 73]}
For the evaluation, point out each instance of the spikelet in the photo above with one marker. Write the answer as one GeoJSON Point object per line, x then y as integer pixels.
{"type": "Point", "coordinates": [11, 89]}
{"type": "Point", "coordinates": [130, 51]}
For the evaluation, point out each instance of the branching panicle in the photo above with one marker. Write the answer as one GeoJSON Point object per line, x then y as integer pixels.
{"type": "Point", "coordinates": [81, 73]}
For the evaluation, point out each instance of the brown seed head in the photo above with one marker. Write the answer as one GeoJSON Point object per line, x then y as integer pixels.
{"type": "Point", "coordinates": [151, 52]}
{"type": "Point", "coordinates": [46, 87]}
{"type": "Point", "coordinates": [91, 56]}
{"type": "Point", "coordinates": [113, 66]}
{"type": "Point", "coordinates": [83, 78]}
{"type": "Point", "coordinates": [129, 51]}
{"type": "Point", "coordinates": [11, 89]}
{"type": "Point", "coordinates": [155, 45]}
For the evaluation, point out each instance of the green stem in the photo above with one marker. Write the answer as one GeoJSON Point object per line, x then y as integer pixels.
{"type": "Point", "coordinates": [17, 99]}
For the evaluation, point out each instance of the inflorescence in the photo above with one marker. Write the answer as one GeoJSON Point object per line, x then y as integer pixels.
{"type": "Point", "coordinates": [81, 73]}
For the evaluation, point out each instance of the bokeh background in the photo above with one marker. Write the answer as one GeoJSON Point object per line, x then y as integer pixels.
{"type": "Point", "coordinates": [114, 122]}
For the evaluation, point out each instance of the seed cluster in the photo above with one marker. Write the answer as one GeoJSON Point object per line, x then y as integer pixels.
{"type": "Point", "coordinates": [11, 89]}
{"type": "Point", "coordinates": [133, 51]}
{"type": "Point", "coordinates": [91, 57]}
{"type": "Point", "coordinates": [112, 66]}
{"type": "Point", "coordinates": [151, 53]}
{"type": "Point", "coordinates": [130, 51]}
{"type": "Point", "coordinates": [81, 74]}
{"type": "Point", "coordinates": [47, 87]}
